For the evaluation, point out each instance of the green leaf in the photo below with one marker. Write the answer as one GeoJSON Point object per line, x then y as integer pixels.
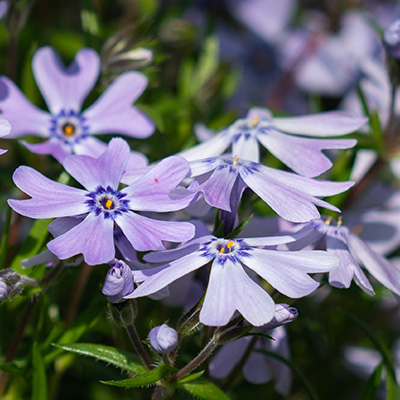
{"type": "Point", "coordinates": [145, 379]}
{"type": "Point", "coordinates": [12, 368]}
{"type": "Point", "coordinates": [191, 377]}
{"type": "Point", "coordinates": [208, 63]}
{"type": "Point", "coordinates": [39, 384]}
{"type": "Point", "coordinates": [202, 389]}
{"type": "Point", "coordinates": [107, 354]}
{"type": "Point", "coordinates": [373, 383]}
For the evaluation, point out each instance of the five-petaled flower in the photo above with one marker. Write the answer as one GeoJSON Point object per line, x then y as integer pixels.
{"type": "Point", "coordinates": [66, 128]}
{"type": "Point", "coordinates": [104, 206]}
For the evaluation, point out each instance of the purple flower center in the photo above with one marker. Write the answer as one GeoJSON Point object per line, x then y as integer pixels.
{"type": "Point", "coordinates": [222, 249]}
{"type": "Point", "coordinates": [248, 127]}
{"type": "Point", "coordinates": [68, 126]}
{"type": "Point", "coordinates": [107, 201]}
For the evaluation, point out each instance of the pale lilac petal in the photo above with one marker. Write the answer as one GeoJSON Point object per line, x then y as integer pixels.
{"type": "Point", "coordinates": [151, 191]}
{"type": "Point", "coordinates": [287, 271]}
{"type": "Point", "coordinates": [60, 226]}
{"type": "Point", "coordinates": [331, 123]}
{"type": "Point", "coordinates": [304, 237]}
{"type": "Point", "coordinates": [217, 189]}
{"type": "Point", "coordinates": [382, 270]}
{"type": "Point", "coordinates": [230, 289]}
{"type": "Point", "coordinates": [49, 199]}
{"type": "Point", "coordinates": [205, 165]}
{"type": "Point", "coordinates": [303, 155]}
{"type": "Point", "coordinates": [45, 257]}
{"type": "Point", "coordinates": [203, 133]}
{"type": "Point", "coordinates": [65, 88]}
{"type": "Point", "coordinates": [13, 105]}
{"type": "Point", "coordinates": [54, 146]}
{"type": "Point", "coordinates": [260, 113]}
{"type": "Point", "coordinates": [5, 127]}
{"type": "Point", "coordinates": [93, 147]}
{"type": "Point", "coordinates": [256, 370]}
{"type": "Point", "coordinates": [227, 357]}
{"type": "Point", "coordinates": [290, 204]}
{"type": "Point", "coordinates": [94, 238]}
{"type": "Point", "coordinates": [3, 8]}
{"type": "Point", "coordinates": [268, 240]}
{"type": "Point", "coordinates": [246, 148]}
{"type": "Point", "coordinates": [113, 111]}
{"type": "Point", "coordinates": [211, 148]}
{"type": "Point", "coordinates": [147, 234]}
{"type": "Point", "coordinates": [107, 170]}
{"type": "Point", "coordinates": [157, 278]}
{"type": "Point", "coordinates": [362, 281]}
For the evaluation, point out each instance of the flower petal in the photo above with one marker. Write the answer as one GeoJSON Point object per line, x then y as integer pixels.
{"type": "Point", "coordinates": [381, 269]}
{"type": "Point", "coordinates": [246, 148]}
{"type": "Point", "coordinates": [155, 279]}
{"type": "Point", "coordinates": [113, 111]}
{"type": "Point", "coordinates": [55, 147]}
{"type": "Point", "coordinates": [303, 155]}
{"type": "Point", "coordinates": [93, 237]}
{"type": "Point", "coordinates": [65, 88]}
{"type": "Point", "coordinates": [151, 191]}
{"type": "Point", "coordinates": [13, 104]}
{"type": "Point", "coordinates": [211, 148]}
{"type": "Point", "coordinates": [331, 123]}
{"type": "Point", "coordinates": [287, 271]}
{"type": "Point", "coordinates": [230, 289]}
{"type": "Point", "coordinates": [107, 170]}
{"type": "Point", "coordinates": [49, 199]}
{"type": "Point", "coordinates": [147, 234]}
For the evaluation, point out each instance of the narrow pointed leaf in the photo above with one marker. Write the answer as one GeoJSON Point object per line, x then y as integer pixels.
{"type": "Point", "coordinates": [372, 384]}
{"type": "Point", "coordinates": [202, 389]}
{"type": "Point", "coordinates": [145, 379]}
{"type": "Point", "coordinates": [39, 384]}
{"type": "Point", "coordinates": [107, 354]}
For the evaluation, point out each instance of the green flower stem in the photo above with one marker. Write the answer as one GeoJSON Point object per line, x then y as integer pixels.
{"type": "Point", "coordinates": [138, 345]}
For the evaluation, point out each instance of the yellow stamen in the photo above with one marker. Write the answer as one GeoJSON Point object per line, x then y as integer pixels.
{"type": "Point", "coordinates": [254, 122]}
{"type": "Point", "coordinates": [109, 203]}
{"type": "Point", "coordinates": [69, 129]}
{"type": "Point", "coordinates": [340, 221]}
{"type": "Point", "coordinates": [230, 244]}
{"type": "Point", "coordinates": [328, 221]}
{"type": "Point", "coordinates": [236, 160]}
{"type": "Point", "coordinates": [222, 250]}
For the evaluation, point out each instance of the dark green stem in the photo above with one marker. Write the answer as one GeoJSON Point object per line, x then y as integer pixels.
{"type": "Point", "coordinates": [138, 346]}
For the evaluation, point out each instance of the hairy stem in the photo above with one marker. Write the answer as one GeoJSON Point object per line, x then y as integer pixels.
{"type": "Point", "coordinates": [138, 345]}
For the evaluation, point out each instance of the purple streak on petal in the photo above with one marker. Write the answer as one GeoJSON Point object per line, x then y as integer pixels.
{"type": "Point", "coordinates": [147, 234]}
{"type": "Point", "coordinates": [230, 289]}
{"type": "Point", "coordinates": [227, 357]}
{"type": "Point", "coordinates": [246, 148]}
{"type": "Point", "coordinates": [287, 271]}
{"type": "Point", "coordinates": [53, 146]}
{"type": "Point", "coordinates": [211, 148]}
{"type": "Point", "coordinates": [303, 155]}
{"type": "Point", "coordinates": [383, 271]}
{"type": "Point", "coordinates": [151, 191]}
{"type": "Point", "coordinates": [157, 278]}
{"type": "Point", "coordinates": [331, 123]}
{"type": "Point", "coordinates": [94, 238]}
{"type": "Point", "coordinates": [13, 105]}
{"type": "Point", "coordinates": [107, 170]}
{"type": "Point", "coordinates": [65, 88]}
{"type": "Point", "coordinates": [113, 111]}
{"type": "Point", "coordinates": [49, 199]}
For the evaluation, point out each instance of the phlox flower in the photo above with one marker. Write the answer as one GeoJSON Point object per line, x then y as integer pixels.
{"type": "Point", "coordinates": [103, 206]}
{"type": "Point", "coordinates": [352, 251]}
{"type": "Point", "coordinates": [230, 287]}
{"type": "Point", "coordinates": [291, 196]}
{"type": "Point", "coordinates": [66, 128]}
{"type": "Point", "coordinates": [5, 129]}
{"type": "Point", "coordinates": [290, 139]}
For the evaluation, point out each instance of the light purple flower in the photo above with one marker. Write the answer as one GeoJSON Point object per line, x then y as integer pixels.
{"type": "Point", "coordinates": [103, 205]}
{"type": "Point", "coordinates": [352, 252]}
{"type": "Point", "coordinates": [163, 339]}
{"type": "Point", "coordinates": [230, 287]}
{"type": "Point", "coordinates": [118, 282]}
{"type": "Point", "coordinates": [391, 39]}
{"type": "Point", "coordinates": [66, 128]}
{"type": "Point", "coordinates": [3, 8]}
{"type": "Point", "coordinates": [259, 368]}
{"type": "Point", "coordinates": [5, 129]}
{"type": "Point", "coordinates": [284, 138]}
{"type": "Point", "coordinates": [291, 196]}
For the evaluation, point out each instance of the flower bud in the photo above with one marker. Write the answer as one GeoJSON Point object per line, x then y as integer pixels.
{"type": "Point", "coordinates": [391, 39]}
{"type": "Point", "coordinates": [163, 339]}
{"type": "Point", "coordinates": [118, 282]}
{"type": "Point", "coordinates": [283, 315]}
{"type": "Point", "coordinates": [10, 284]}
